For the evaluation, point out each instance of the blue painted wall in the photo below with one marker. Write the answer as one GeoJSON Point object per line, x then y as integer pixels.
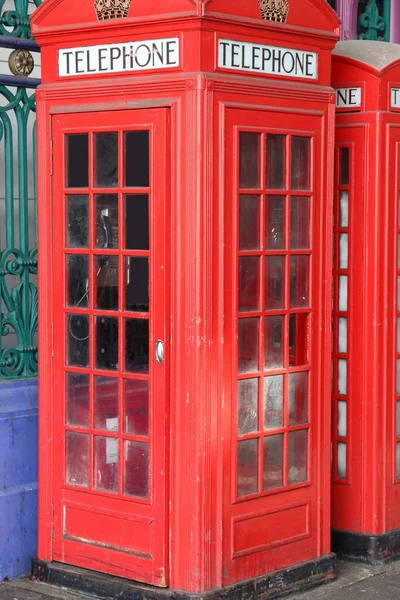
{"type": "Point", "coordinates": [18, 477]}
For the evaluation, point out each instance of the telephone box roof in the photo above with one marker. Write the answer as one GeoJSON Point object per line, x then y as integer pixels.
{"type": "Point", "coordinates": [378, 55]}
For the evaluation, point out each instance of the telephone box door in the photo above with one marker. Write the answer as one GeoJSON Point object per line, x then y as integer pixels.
{"type": "Point", "coordinates": [110, 198]}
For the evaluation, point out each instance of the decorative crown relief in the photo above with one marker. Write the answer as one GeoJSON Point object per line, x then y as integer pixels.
{"type": "Point", "coordinates": [112, 9]}
{"type": "Point", "coordinates": [274, 10]}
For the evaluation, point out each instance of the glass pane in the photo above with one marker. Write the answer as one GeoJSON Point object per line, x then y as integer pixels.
{"type": "Point", "coordinates": [342, 418]}
{"type": "Point", "coordinates": [106, 159]}
{"type": "Point", "coordinates": [299, 223]}
{"type": "Point", "coordinates": [137, 163]}
{"type": "Point", "coordinates": [77, 280]}
{"type": "Point", "coordinates": [106, 403]}
{"type": "Point", "coordinates": [298, 340]}
{"type": "Point", "coordinates": [77, 458]}
{"type": "Point", "coordinates": [299, 281]}
{"type": "Point", "coordinates": [106, 221]}
{"type": "Point", "coordinates": [249, 222]}
{"type": "Point", "coordinates": [249, 283]}
{"type": "Point", "coordinates": [275, 222]}
{"type": "Point", "coordinates": [137, 284]}
{"type": "Point", "coordinates": [342, 335]}
{"type": "Point", "coordinates": [136, 407]}
{"type": "Point", "coordinates": [341, 460]}
{"type": "Point", "coordinates": [398, 460]}
{"type": "Point", "coordinates": [77, 160]}
{"type": "Point", "coordinates": [344, 166]}
{"type": "Point", "coordinates": [398, 334]}
{"type": "Point", "coordinates": [106, 342]}
{"type": "Point", "coordinates": [249, 152]}
{"type": "Point", "coordinates": [77, 399]}
{"type": "Point", "coordinates": [276, 162]}
{"type": "Point", "coordinates": [274, 342]}
{"type": "Point", "coordinates": [298, 456]}
{"type": "Point", "coordinates": [136, 469]}
{"type": "Point", "coordinates": [343, 251]}
{"type": "Point", "coordinates": [248, 345]}
{"type": "Point", "coordinates": [274, 282]}
{"type": "Point", "coordinates": [273, 402]}
{"type": "Point", "coordinates": [273, 462]}
{"type": "Point", "coordinates": [247, 467]}
{"type": "Point", "coordinates": [247, 406]}
{"type": "Point", "coordinates": [106, 463]}
{"type": "Point", "coordinates": [398, 377]}
{"type": "Point", "coordinates": [78, 340]}
{"type": "Point", "coordinates": [398, 251]}
{"type": "Point", "coordinates": [77, 221]}
{"type": "Point", "coordinates": [342, 376]}
{"type": "Point", "coordinates": [137, 345]}
{"type": "Point", "coordinates": [343, 293]}
{"type": "Point", "coordinates": [137, 222]}
{"type": "Point", "coordinates": [398, 292]}
{"type": "Point", "coordinates": [344, 209]}
{"type": "Point", "coordinates": [301, 163]}
{"type": "Point", "coordinates": [106, 273]}
{"type": "Point", "coordinates": [298, 398]}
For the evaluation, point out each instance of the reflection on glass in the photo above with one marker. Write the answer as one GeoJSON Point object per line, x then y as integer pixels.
{"type": "Point", "coordinates": [298, 340]}
{"type": "Point", "coordinates": [106, 274]}
{"type": "Point", "coordinates": [298, 456]}
{"type": "Point", "coordinates": [249, 283]}
{"type": "Point", "coordinates": [398, 460]}
{"type": "Point", "coordinates": [273, 342]}
{"type": "Point", "coordinates": [106, 342]}
{"type": "Point", "coordinates": [77, 233]}
{"type": "Point", "coordinates": [273, 462]}
{"type": "Point", "coordinates": [301, 163]}
{"type": "Point", "coordinates": [77, 160]}
{"type": "Point", "coordinates": [247, 406]}
{"type": "Point", "coordinates": [136, 403]}
{"type": "Point", "coordinates": [78, 340]}
{"type": "Point", "coordinates": [341, 461]}
{"type": "Point", "coordinates": [77, 458]}
{"type": "Point", "coordinates": [77, 399]}
{"type": "Point", "coordinates": [106, 159]}
{"type": "Point", "coordinates": [398, 334]}
{"type": "Point", "coordinates": [137, 164]}
{"type": "Point", "coordinates": [344, 209]}
{"type": "Point", "coordinates": [249, 151]}
{"type": "Point", "coordinates": [137, 345]}
{"type": "Point", "coordinates": [276, 162]}
{"type": "Point", "coordinates": [342, 376]}
{"type": "Point", "coordinates": [300, 223]}
{"type": "Point", "coordinates": [248, 345]}
{"type": "Point", "coordinates": [106, 221]}
{"type": "Point", "coordinates": [398, 377]}
{"type": "Point", "coordinates": [275, 222]}
{"type": "Point", "coordinates": [298, 398]}
{"type": "Point", "coordinates": [344, 166]}
{"type": "Point", "coordinates": [106, 403]}
{"type": "Point", "coordinates": [137, 283]}
{"type": "Point", "coordinates": [273, 402]}
{"type": "Point", "coordinates": [342, 418]}
{"type": "Point", "coordinates": [343, 292]}
{"type": "Point", "coordinates": [247, 467]}
{"type": "Point", "coordinates": [342, 335]}
{"type": "Point", "coordinates": [274, 282]}
{"type": "Point", "coordinates": [77, 280]}
{"type": "Point", "coordinates": [398, 292]}
{"type": "Point", "coordinates": [299, 281]}
{"type": "Point", "coordinates": [136, 480]}
{"type": "Point", "coordinates": [137, 222]}
{"type": "Point", "coordinates": [343, 251]}
{"type": "Point", "coordinates": [106, 463]}
{"type": "Point", "coordinates": [249, 222]}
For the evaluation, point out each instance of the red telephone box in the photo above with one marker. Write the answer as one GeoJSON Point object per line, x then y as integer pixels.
{"type": "Point", "coordinates": [366, 313]}
{"type": "Point", "coordinates": [185, 200]}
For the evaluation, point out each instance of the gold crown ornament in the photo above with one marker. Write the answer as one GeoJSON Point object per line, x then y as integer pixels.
{"type": "Point", "coordinates": [112, 9]}
{"type": "Point", "coordinates": [274, 10]}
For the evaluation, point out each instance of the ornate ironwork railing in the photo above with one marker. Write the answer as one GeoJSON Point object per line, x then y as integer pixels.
{"type": "Point", "coordinates": [18, 237]}
{"type": "Point", "coordinates": [374, 20]}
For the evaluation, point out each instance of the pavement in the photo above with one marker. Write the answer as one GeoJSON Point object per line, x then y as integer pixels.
{"type": "Point", "coordinates": [354, 582]}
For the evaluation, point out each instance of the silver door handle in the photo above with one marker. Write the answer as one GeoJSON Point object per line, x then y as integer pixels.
{"type": "Point", "coordinates": [159, 351]}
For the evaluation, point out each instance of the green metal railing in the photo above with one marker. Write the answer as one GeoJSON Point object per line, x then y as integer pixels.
{"type": "Point", "coordinates": [374, 20]}
{"type": "Point", "coordinates": [18, 218]}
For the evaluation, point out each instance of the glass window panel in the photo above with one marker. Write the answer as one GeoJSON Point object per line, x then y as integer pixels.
{"type": "Point", "coordinates": [106, 159]}
{"type": "Point", "coordinates": [398, 251]}
{"type": "Point", "coordinates": [273, 462]}
{"type": "Point", "coordinates": [342, 418]}
{"type": "Point", "coordinates": [77, 280]}
{"type": "Point", "coordinates": [343, 251]}
{"type": "Point", "coordinates": [136, 480]}
{"type": "Point", "coordinates": [300, 223]}
{"type": "Point", "coordinates": [398, 377]}
{"type": "Point", "coordinates": [77, 396]}
{"type": "Point", "coordinates": [137, 345]}
{"type": "Point", "coordinates": [137, 284]}
{"type": "Point", "coordinates": [298, 456]}
{"type": "Point", "coordinates": [398, 419]}
{"type": "Point", "coordinates": [106, 342]}
{"type": "Point", "coordinates": [343, 293]}
{"type": "Point", "coordinates": [106, 274]}
{"type": "Point", "coordinates": [398, 292]}
{"type": "Point", "coordinates": [344, 209]}
{"type": "Point", "coordinates": [298, 340]}
{"type": "Point", "coordinates": [342, 334]}
{"type": "Point", "coordinates": [298, 398]}
{"type": "Point", "coordinates": [77, 233]}
{"type": "Point", "coordinates": [299, 281]}
{"type": "Point", "coordinates": [273, 402]}
{"type": "Point", "coordinates": [344, 166]}
{"type": "Point", "coordinates": [106, 221]}
{"type": "Point", "coordinates": [249, 222]}
{"type": "Point", "coordinates": [276, 162]}
{"type": "Point", "coordinates": [136, 405]}
{"type": "Point", "coordinates": [137, 162]}
{"type": "Point", "coordinates": [78, 340]}
{"type": "Point", "coordinates": [249, 153]}
{"type": "Point", "coordinates": [247, 467]}
{"type": "Point", "coordinates": [274, 342]}
{"type": "Point", "coordinates": [398, 460]}
{"type": "Point", "coordinates": [137, 222]}
{"type": "Point", "coordinates": [106, 463]}
{"type": "Point", "coordinates": [248, 345]}
{"type": "Point", "coordinates": [301, 163]}
{"type": "Point", "coordinates": [106, 403]}
{"type": "Point", "coordinates": [247, 406]}
{"type": "Point", "coordinates": [398, 205]}
{"type": "Point", "coordinates": [274, 282]}
{"type": "Point", "coordinates": [77, 458]}
{"type": "Point", "coordinates": [398, 334]}
{"type": "Point", "coordinates": [341, 460]}
{"type": "Point", "coordinates": [77, 160]}
{"type": "Point", "coordinates": [275, 222]}
{"type": "Point", "coordinates": [249, 283]}
{"type": "Point", "coordinates": [342, 376]}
